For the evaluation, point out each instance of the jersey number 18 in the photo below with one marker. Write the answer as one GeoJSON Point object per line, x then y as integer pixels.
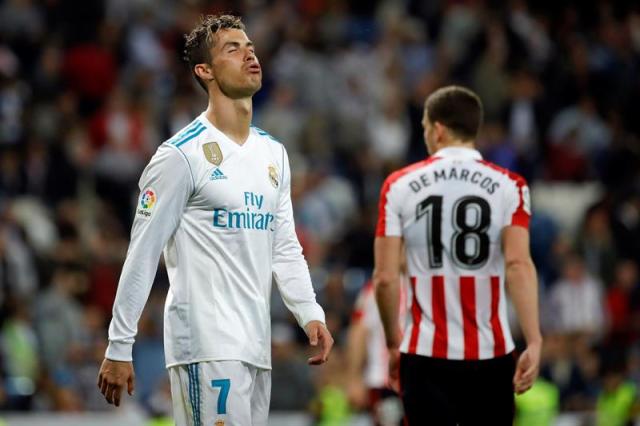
{"type": "Point", "coordinates": [431, 207]}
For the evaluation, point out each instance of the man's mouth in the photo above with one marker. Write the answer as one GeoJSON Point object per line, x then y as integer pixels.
{"type": "Point", "coordinates": [254, 68]}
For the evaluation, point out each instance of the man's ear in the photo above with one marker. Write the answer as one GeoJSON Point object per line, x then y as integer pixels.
{"type": "Point", "coordinates": [204, 71]}
{"type": "Point", "coordinates": [440, 132]}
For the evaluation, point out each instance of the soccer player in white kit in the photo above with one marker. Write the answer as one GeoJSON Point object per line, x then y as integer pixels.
{"type": "Point", "coordinates": [464, 226]}
{"type": "Point", "coordinates": [215, 198]}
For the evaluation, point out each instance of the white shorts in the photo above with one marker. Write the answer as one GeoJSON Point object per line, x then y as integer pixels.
{"type": "Point", "coordinates": [220, 393]}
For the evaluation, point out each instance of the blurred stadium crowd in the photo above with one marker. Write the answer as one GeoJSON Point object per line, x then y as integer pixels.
{"type": "Point", "coordinates": [88, 90]}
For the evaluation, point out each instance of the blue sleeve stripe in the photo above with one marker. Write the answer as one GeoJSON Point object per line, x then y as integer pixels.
{"type": "Point", "coordinates": [187, 132]}
{"type": "Point", "coordinates": [263, 133]}
{"type": "Point", "coordinates": [190, 137]}
{"type": "Point", "coordinates": [184, 131]}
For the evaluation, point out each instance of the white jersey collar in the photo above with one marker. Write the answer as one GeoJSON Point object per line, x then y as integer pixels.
{"type": "Point", "coordinates": [209, 125]}
{"type": "Point", "coordinates": [459, 152]}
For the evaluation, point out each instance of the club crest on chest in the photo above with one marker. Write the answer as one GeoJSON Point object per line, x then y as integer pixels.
{"type": "Point", "coordinates": [273, 175]}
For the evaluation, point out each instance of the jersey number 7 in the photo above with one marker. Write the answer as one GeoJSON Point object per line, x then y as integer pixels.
{"type": "Point", "coordinates": [431, 207]}
{"type": "Point", "coordinates": [224, 385]}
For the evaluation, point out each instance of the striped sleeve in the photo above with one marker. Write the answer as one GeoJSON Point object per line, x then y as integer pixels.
{"type": "Point", "coordinates": [389, 220]}
{"type": "Point", "coordinates": [518, 203]}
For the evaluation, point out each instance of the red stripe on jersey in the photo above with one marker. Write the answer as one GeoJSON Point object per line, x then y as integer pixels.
{"type": "Point", "coordinates": [440, 338]}
{"type": "Point", "coordinates": [469, 322]}
{"type": "Point", "coordinates": [381, 227]}
{"type": "Point", "coordinates": [520, 217]}
{"type": "Point", "coordinates": [496, 327]}
{"type": "Point", "coordinates": [416, 316]}
{"type": "Point", "coordinates": [358, 311]}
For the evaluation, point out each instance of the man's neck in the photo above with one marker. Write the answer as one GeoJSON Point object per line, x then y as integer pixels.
{"type": "Point", "coordinates": [231, 116]}
{"type": "Point", "coordinates": [457, 144]}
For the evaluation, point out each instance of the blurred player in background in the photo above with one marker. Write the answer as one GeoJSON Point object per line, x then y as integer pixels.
{"type": "Point", "coordinates": [216, 199]}
{"type": "Point", "coordinates": [368, 358]}
{"type": "Point", "coordinates": [464, 226]}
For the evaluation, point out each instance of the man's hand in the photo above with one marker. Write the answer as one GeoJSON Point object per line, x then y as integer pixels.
{"type": "Point", "coordinates": [112, 378]}
{"type": "Point", "coordinates": [394, 370]}
{"type": "Point", "coordinates": [527, 368]}
{"type": "Point", "coordinates": [317, 332]}
{"type": "Point", "coordinates": [357, 394]}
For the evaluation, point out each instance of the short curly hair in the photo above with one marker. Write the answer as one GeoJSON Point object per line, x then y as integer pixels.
{"type": "Point", "coordinates": [198, 43]}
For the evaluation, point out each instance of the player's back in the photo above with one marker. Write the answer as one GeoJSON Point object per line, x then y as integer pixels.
{"type": "Point", "coordinates": [451, 209]}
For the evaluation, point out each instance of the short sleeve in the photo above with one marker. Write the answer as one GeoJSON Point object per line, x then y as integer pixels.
{"type": "Point", "coordinates": [389, 219]}
{"type": "Point", "coordinates": [518, 203]}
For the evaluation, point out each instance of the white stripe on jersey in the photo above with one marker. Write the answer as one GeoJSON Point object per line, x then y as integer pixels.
{"type": "Point", "coordinates": [450, 210]}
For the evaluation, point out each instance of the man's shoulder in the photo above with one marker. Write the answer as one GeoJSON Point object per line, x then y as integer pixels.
{"type": "Point", "coordinates": [410, 169]}
{"type": "Point", "coordinates": [275, 149]}
{"type": "Point", "coordinates": [264, 135]}
{"type": "Point", "coordinates": [187, 142]}
{"type": "Point", "coordinates": [506, 173]}
{"type": "Point", "coordinates": [185, 137]}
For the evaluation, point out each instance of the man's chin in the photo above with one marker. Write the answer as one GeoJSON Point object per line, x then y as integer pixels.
{"type": "Point", "coordinates": [246, 91]}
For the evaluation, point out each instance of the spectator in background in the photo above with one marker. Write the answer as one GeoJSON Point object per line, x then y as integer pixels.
{"type": "Point", "coordinates": [595, 243]}
{"type": "Point", "coordinates": [626, 225]}
{"type": "Point", "coordinates": [496, 147]}
{"type": "Point", "coordinates": [292, 382]}
{"type": "Point", "coordinates": [620, 303]}
{"type": "Point", "coordinates": [618, 403]}
{"type": "Point", "coordinates": [526, 120]}
{"type": "Point", "coordinates": [577, 300]}
{"type": "Point", "coordinates": [571, 366]}
{"type": "Point", "coordinates": [90, 69]}
{"type": "Point", "coordinates": [18, 277]}
{"type": "Point", "coordinates": [578, 134]}
{"type": "Point", "coordinates": [19, 354]}
{"type": "Point", "coordinates": [388, 129]}
{"type": "Point", "coordinates": [283, 115]}
{"type": "Point", "coordinates": [59, 317]}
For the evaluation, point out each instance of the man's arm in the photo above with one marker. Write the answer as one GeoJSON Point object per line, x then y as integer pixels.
{"type": "Point", "coordinates": [386, 280]}
{"type": "Point", "coordinates": [291, 273]}
{"type": "Point", "coordinates": [165, 185]}
{"type": "Point", "coordinates": [522, 285]}
{"type": "Point", "coordinates": [357, 353]}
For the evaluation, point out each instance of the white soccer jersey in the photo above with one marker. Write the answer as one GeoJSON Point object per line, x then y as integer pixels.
{"type": "Point", "coordinates": [376, 371]}
{"type": "Point", "coordinates": [451, 209]}
{"type": "Point", "coordinates": [222, 214]}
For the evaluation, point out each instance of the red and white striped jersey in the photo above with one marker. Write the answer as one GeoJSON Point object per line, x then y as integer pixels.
{"type": "Point", "coordinates": [376, 370]}
{"type": "Point", "coordinates": [450, 210]}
